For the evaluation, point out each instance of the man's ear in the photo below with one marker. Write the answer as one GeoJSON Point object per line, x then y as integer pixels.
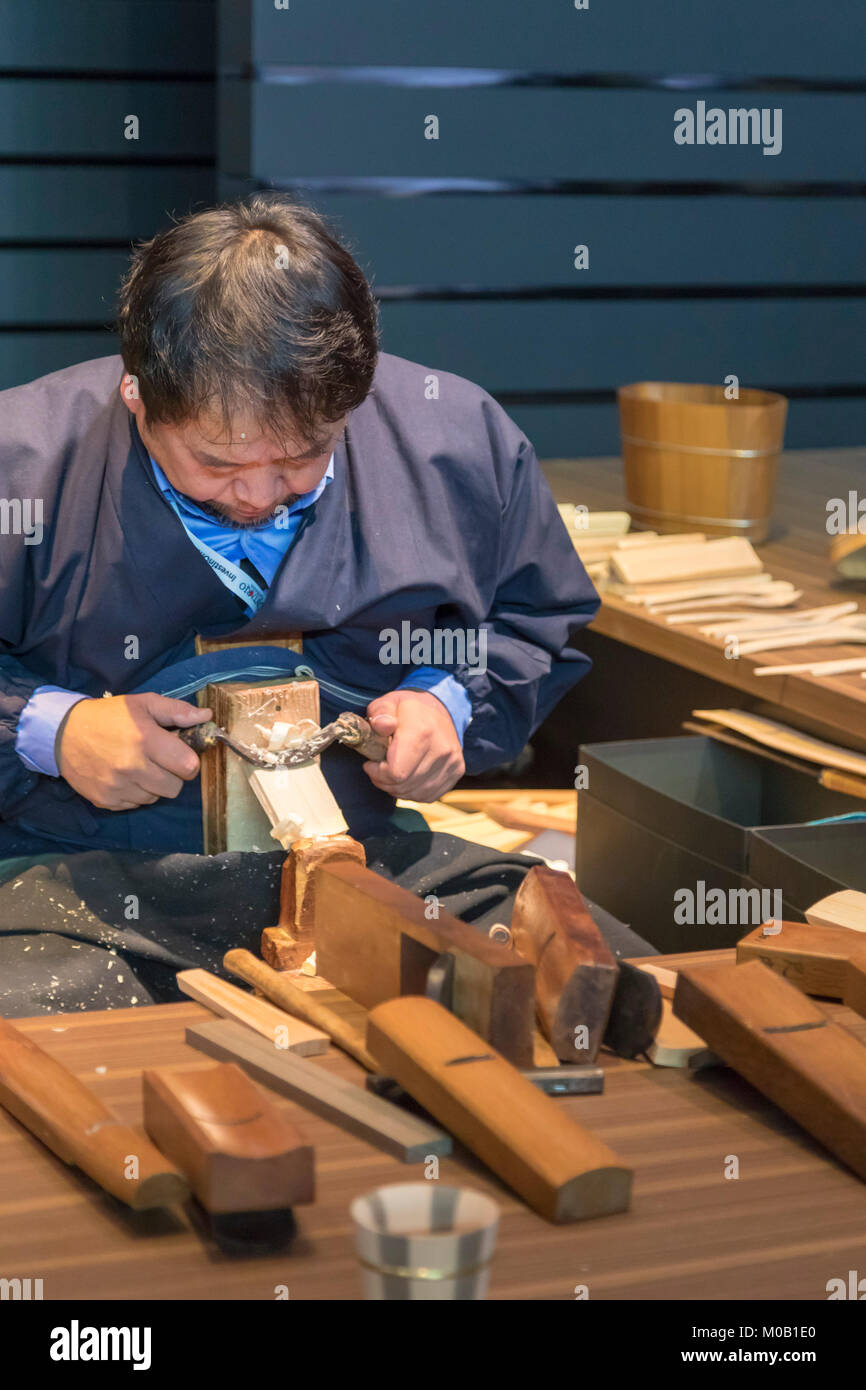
{"type": "Point", "coordinates": [130, 395]}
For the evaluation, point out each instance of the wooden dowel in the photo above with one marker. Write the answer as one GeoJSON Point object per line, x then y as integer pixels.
{"type": "Point", "coordinates": [75, 1125]}
{"type": "Point", "coordinates": [276, 987]}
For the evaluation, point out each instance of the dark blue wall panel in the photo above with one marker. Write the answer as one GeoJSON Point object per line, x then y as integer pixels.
{"type": "Point", "coordinates": [556, 129]}
{"type": "Point", "coordinates": [74, 192]}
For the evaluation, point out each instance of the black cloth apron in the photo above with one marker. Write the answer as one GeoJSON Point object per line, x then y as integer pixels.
{"type": "Point", "coordinates": [109, 930]}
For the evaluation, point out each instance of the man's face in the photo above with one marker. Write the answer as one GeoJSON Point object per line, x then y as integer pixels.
{"type": "Point", "coordinates": [241, 478]}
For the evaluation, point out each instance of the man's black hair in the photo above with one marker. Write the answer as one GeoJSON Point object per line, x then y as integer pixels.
{"type": "Point", "coordinates": [254, 306]}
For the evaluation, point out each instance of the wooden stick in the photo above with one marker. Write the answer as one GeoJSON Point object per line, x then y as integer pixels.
{"type": "Point", "coordinates": [230, 1002]}
{"type": "Point", "coordinates": [661, 593]}
{"type": "Point", "coordinates": [69, 1119]}
{"type": "Point", "coordinates": [280, 990]}
{"type": "Point", "coordinates": [836, 635]}
{"type": "Point", "coordinates": [561, 1170]}
{"type": "Point", "coordinates": [843, 782]}
{"type": "Point", "coordinates": [783, 623]}
{"type": "Point", "coordinates": [788, 740]}
{"type": "Point", "coordinates": [781, 1042]}
{"type": "Point", "coordinates": [696, 619]}
{"type": "Point", "coordinates": [815, 668]}
{"type": "Point", "coordinates": [342, 1102]}
{"type": "Point", "coordinates": [769, 597]}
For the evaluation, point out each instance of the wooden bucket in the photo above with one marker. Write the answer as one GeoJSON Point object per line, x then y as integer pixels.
{"type": "Point", "coordinates": [695, 461]}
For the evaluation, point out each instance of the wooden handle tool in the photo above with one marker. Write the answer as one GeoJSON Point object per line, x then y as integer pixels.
{"type": "Point", "coordinates": [276, 987]}
{"type": "Point", "coordinates": [69, 1119]}
{"type": "Point", "coordinates": [348, 728]}
{"type": "Point", "coordinates": [560, 1169]}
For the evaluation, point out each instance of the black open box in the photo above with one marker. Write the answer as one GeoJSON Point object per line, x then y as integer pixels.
{"type": "Point", "coordinates": [659, 816]}
{"type": "Point", "coordinates": [808, 862]}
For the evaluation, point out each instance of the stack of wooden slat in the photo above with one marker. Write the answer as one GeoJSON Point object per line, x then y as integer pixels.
{"type": "Point", "coordinates": [500, 819]}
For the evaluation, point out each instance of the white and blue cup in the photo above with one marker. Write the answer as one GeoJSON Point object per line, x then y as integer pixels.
{"type": "Point", "coordinates": [420, 1240]}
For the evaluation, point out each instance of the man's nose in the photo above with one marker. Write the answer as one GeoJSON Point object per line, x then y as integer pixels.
{"type": "Point", "coordinates": [260, 489]}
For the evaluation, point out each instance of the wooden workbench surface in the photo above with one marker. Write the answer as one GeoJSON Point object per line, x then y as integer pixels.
{"type": "Point", "coordinates": [794, 1219]}
{"type": "Point", "coordinates": [797, 551]}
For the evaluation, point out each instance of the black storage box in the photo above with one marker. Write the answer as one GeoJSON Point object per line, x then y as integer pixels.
{"type": "Point", "coordinates": [808, 862]}
{"type": "Point", "coordinates": [661, 816]}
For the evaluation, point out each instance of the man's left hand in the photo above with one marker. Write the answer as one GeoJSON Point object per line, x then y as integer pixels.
{"type": "Point", "coordinates": [424, 757]}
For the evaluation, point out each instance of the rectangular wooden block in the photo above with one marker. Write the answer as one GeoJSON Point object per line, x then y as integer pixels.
{"type": "Point", "coordinates": [783, 1043]}
{"type": "Point", "coordinates": [289, 950]}
{"type": "Point", "coordinates": [387, 1126]}
{"type": "Point", "coordinates": [280, 1029]}
{"type": "Point", "coordinates": [237, 1149]}
{"type": "Point", "coordinates": [560, 1169]}
{"type": "Point", "coordinates": [812, 958]}
{"type": "Point", "coordinates": [666, 564]}
{"type": "Point", "coordinates": [575, 970]}
{"type": "Point", "coordinates": [375, 942]}
{"type": "Point", "coordinates": [231, 816]}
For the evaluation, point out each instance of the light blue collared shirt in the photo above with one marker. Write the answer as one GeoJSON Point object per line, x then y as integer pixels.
{"type": "Point", "coordinates": [265, 547]}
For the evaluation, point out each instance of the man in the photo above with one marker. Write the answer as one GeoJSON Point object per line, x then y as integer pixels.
{"type": "Point", "coordinates": [253, 466]}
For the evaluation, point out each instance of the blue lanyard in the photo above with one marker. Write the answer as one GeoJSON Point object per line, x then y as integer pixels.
{"type": "Point", "coordinates": [234, 578]}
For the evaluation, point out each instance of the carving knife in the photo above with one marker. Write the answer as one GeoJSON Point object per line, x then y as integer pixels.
{"type": "Point", "coordinates": [348, 728]}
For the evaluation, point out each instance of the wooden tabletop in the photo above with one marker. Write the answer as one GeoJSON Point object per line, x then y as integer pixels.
{"type": "Point", "coordinates": [797, 550]}
{"type": "Point", "coordinates": [794, 1218]}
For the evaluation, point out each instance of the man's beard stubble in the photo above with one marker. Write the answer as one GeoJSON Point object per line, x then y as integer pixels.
{"type": "Point", "coordinates": [216, 510]}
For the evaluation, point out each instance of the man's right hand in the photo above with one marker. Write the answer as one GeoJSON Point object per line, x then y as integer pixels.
{"type": "Point", "coordinates": [117, 752]}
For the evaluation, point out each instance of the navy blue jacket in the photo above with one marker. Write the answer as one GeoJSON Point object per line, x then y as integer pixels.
{"type": "Point", "coordinates": [438, 514]}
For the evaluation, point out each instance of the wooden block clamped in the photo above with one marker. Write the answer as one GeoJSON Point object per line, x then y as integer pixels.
{"type": "Point", "coordinates": [374, 941]}
{"type": "Point", "coordinates": [408, 1138]}
{"type": "Point", "coordinates": [560, 1169]}
{"type": "Point", "coordinates": [812, 958]}
{"type": "Point", "coordinates": [287, 946]}
{"type": "Point", "coordinates": [238, 1150]}
{"type": "Point", "coordinates": [231, 815]}
{"type": "Point", "coordinates": [272, 1023]}
{"type": "Point", "coordinates": [575, 971]}
{"type": "Point", "coordinates": [784, 1044]}
{"type": "Point", "coordinates": [69, 1119]}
